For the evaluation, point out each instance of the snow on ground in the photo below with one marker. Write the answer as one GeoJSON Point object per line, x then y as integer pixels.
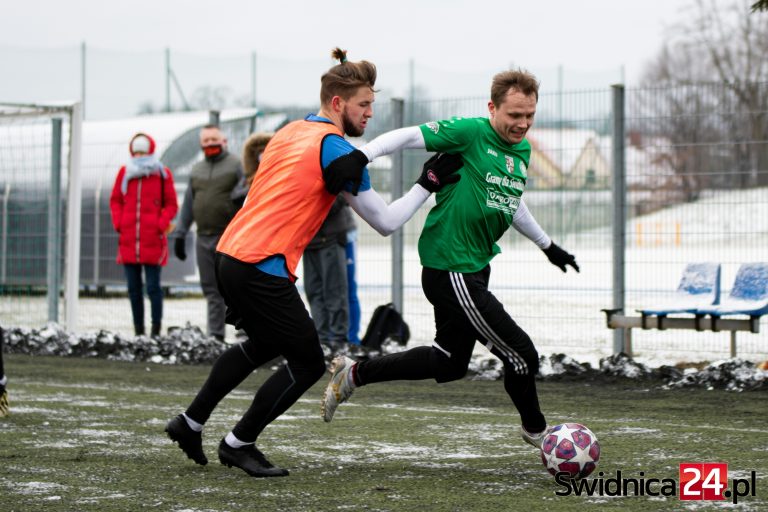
{"type": "Point", "coordinates": [188, 345]}
{"type": "Point", "coordinates": [561, 312]}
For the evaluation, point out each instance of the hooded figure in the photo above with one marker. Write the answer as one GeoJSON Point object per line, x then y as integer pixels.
{"type": "Point", "coordinates": [252, 149]}
{"type": "Point", "coordinates": [143, 203]}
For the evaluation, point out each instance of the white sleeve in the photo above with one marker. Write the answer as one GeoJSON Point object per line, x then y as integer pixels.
{"type": "Point", "coordinates": [386, 218]}
{"type": "Point", "coordinates": [526, 225]}
{"type": "Point", "coordinates": [386, 143]}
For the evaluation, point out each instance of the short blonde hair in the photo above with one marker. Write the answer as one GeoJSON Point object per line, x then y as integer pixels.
{"type": "Point", "coordinates": [518, 80]}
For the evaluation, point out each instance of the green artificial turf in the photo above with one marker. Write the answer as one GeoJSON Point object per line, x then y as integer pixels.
{"type": "Point", "coordinates": [86, 434]}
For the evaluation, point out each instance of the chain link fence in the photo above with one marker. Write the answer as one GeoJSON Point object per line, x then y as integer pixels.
{"type": "Point", "coordinates": [115, 83]}
{"type": "Point", "coordinates": [696, 172]}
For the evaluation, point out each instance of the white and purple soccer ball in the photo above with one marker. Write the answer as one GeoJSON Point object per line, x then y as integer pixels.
{"type": "Point", "coordinates": [570, 448]}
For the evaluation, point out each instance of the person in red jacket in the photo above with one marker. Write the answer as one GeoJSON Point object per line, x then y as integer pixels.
{"type": "Point", "coordinates": [143, 203]}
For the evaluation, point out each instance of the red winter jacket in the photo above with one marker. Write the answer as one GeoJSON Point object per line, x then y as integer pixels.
{"type": "Point", "coordinates": [142, 216]}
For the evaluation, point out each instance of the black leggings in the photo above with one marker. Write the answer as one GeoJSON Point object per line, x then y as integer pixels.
{"type": "Point", "coordinates": [277, 323]}
{"type": "Point", "coordinates": [465, 312]}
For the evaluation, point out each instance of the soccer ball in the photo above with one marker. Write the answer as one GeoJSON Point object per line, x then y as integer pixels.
{"type": "Point", "coordinates": [570, 448]}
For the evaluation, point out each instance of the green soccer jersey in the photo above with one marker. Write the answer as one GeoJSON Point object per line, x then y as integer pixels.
{"type": "Point", "coordinates": [461, 231]}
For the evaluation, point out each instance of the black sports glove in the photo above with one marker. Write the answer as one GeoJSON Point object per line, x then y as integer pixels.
{"type": "Point", "coordinates": [560, 258]}
{"type": "Point", "coordinates": [346, 168]}
{"type": "Point", "coordinates": [439, 171]}
{"type": "Point", "coordinates": [180, 249]}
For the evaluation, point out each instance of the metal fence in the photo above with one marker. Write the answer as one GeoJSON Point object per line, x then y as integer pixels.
{"type": "Point", "coordinates": [695, 165]}
{"type": "Point", "coordinates": [113, 83]}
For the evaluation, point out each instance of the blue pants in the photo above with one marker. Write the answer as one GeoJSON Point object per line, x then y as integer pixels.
{"type": "Point", "coordinates": [135, 293]}
{"type": "Point", "coordinates": [354, 302]}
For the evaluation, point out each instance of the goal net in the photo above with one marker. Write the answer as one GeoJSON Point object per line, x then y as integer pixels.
{"type": "Point", "coordinates": [39, 213]}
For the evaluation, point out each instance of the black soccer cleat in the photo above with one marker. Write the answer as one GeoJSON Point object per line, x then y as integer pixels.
{"type": "Point", "coordinates": [190, 442]}
{"type": "Point", "coordinates": [249, 459]}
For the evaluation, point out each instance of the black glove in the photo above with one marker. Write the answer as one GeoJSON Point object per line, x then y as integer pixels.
{"type": "Point", "coordinates": [439, 171]}
{"type": "Point", "coordinates": [560, 258]}
{"type": "Point", "coordinates": [346, 168]}
{"type": "Point", "coordinates": [179, 247]}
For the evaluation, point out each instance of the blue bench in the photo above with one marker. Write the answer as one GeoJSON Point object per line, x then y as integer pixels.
{"type": "Point", "coordinates": [749, 296]}
{"type": "Point", "coordinates": [698, 294]}
{"type": "Point", "coordinates": [699, 287]}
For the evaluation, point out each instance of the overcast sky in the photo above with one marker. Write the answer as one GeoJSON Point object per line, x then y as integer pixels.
{"type": "Point", "coordinates": [593, 42]}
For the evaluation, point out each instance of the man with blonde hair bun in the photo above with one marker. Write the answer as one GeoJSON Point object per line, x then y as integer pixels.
{"type": "Point", "coordinates": [259, 251]}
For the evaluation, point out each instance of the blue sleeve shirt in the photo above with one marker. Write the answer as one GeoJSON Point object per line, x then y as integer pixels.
{"type": "Point", "coordinates": [333, 147]}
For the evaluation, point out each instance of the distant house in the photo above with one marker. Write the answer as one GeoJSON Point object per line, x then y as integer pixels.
{"type": "Point", "coordinates": [651, 177]}
{"type": "Point", "coordinates": [591, 170]}
{"type": "Point", "coordinates": [543, 173]}
{"type": "Point", "coordinates": [650, 163]}
{"type": "Point", "coordinates": [569, 158]}
{"type": "Point", "coordinates": [582, 159]}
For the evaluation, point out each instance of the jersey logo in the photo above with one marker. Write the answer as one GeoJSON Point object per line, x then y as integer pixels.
{"type": "Point", "coordinates": [500, 201]}
{"type": "Point", "coordinates": [492, 152]}
{"type": "Point", "coordinates": [434, 127]}
{"type": "Point", "coordinates": [510, 164]}
{"type": "Point", "coordinates": [504, 181]}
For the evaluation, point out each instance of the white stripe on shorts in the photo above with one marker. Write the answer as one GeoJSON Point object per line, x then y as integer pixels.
{"type": "Point", "coordinates": [479, 323]}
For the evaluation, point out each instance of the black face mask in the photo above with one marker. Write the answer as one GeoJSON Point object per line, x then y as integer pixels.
{"type": "Point", "coordinates": [213, 151]}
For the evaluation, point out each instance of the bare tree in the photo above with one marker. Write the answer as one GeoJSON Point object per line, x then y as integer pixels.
{"type": "Point", "coordinates": [146, 107]}
{"type": "Point", "coordinates": [211, 97]}
{"type": "Point", "coordinates": [714, 72]}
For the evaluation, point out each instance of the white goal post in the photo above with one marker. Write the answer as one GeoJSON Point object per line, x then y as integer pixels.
{"type": "Point", "coordinates": [34, 137]}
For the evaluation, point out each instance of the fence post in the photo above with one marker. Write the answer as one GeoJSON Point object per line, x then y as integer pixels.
{"type": "Point", "coordinates": [214, 116]}
{"type": "Point", "coordinates": [74, 207]}
{"type": "Point", "coordinates": [97, 234]}
{"type": "Point", "coordinates": [398, 111]}
{"type": "Point", "coordinates": [253, 80]}
{"type": "Point", "coordinates": [53, 256]}
{"type": "Point", "coordinates": [619, 192]}
{"type": "Point", "coordinates": [82, 76]}
{"type": "Point", "coordinates": [167, 79]}
{"type": "Point", "coordinates": [4, 233]}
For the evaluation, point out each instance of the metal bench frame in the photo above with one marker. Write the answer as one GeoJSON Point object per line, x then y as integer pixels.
{"type": "Point", "coordinates": [615, 318]}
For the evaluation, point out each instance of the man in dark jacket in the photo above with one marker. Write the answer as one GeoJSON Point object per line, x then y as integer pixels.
{"type": "Point", "coordinates": [214, 186]}
{"type": "Point", "coordinates": [325, 275]}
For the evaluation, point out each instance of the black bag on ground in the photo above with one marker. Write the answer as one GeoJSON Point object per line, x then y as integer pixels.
{"type": "Point", "coordinates": [386, 323]}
